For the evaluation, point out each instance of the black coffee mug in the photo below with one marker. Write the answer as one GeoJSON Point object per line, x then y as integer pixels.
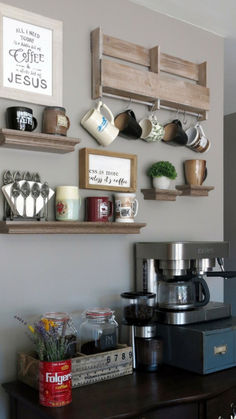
{"type": "Point", "coordinates": [127, 125]}
{"type": "Point", "coordinates": [174, 133]}
{"type": "Point", "coordinates": [21, 118]}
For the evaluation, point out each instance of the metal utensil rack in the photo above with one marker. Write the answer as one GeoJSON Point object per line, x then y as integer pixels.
{"type": "Point", "coordinates": [186, 91]}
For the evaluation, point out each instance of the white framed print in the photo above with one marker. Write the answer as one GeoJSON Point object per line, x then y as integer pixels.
{"type": "Point", "coordinates": [106, 170]}
{"type": "Point", "coordinates": [30, 57]}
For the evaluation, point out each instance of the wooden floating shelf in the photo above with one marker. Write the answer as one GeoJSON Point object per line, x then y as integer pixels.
{"type": "Point", "coordinates": [118, 77]}
{"type": "Point", "coordinates": [35, 141]}
{"type": "Point", "coordinates": [161, 194]}
{"type": "Point", "coordinates": [68, 227]}
{"type": "Point", "coordinates": [193, 190]}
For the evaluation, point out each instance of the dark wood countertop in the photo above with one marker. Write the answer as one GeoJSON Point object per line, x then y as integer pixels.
{"type": "Point", "coordinates": [130, 396]}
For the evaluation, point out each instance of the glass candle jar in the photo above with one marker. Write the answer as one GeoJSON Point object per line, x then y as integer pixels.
{"type": "Point", "coordinates": [67, 203]}
{"type": "Point", "coordinates": [98, 332]}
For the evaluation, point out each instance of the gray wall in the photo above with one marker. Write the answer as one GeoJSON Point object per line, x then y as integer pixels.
{"type": "Point", "coordinates": [229, 204]}
{"type": "Point", "coordinates": [41, 273]}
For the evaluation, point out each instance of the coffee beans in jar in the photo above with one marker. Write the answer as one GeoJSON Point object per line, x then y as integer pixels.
{"type": "Point", "coordinates": [138, 307]}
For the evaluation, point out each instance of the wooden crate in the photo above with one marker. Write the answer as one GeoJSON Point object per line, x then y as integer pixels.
{"type": "Point", "coordinates": [86, 369]}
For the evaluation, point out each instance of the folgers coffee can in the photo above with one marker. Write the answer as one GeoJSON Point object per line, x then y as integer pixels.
{"type": "Point", "coordinates": [55, 383]}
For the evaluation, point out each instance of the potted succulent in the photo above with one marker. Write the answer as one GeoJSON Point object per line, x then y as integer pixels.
{"type": "Point", "coordinates": [162, 172]}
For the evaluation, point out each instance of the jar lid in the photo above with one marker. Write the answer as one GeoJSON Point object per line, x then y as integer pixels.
{"type": "Point", "coordinates": [58, 316]}
{"type": "Point", "coordinates": [99, 312]}
{"type": "Point", "coordinates": [137, 294]}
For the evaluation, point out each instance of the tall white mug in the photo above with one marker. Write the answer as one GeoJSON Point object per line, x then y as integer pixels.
{"type": "Point", "coordinates": [126, 207]}
{"type": "Point", "coordinates": [98, 126]}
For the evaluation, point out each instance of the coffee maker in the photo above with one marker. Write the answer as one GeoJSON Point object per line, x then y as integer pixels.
{"type": "Point", "coordinates": [198, 334]}
{"type": "Point", "coordinates": [175, 272]}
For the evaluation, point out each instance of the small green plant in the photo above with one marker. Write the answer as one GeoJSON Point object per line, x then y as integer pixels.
{"type": "Point", "coordinates": [162, 168]}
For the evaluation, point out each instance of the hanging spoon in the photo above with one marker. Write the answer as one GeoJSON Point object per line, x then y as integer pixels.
{"type": "Point", "coordinates": [35, 192]}
{"type": "Point", "coordinates": [28, 176]}
{"type": "Point", "coordinates": [45, 194]}
{"type": "Point", "coordinates": [25, 192]}
{"type": "Point", "coordinates": [36, 178]}
{"type": "Point", "coordinates": [15, 193]}
{"type": "Point", "coordinates": [17, 176]}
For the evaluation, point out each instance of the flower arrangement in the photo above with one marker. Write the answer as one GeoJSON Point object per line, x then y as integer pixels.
{"type": "Point", "coordinates": [49, 343]}
{"type": "Point", "coordinates": [162, 168]}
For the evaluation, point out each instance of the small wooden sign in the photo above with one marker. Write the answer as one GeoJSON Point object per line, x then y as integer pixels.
{"type": "Point", "coordinates": [105, 170]}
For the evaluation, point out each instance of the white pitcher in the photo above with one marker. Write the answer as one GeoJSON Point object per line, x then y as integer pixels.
{"type": "Point", "coordinates": [98, 126]}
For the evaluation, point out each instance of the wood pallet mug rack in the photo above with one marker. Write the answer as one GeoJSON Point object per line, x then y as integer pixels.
{"type": "Point", "coordinates": [187, 90]}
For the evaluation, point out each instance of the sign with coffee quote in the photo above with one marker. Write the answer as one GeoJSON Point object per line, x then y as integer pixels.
{"type": "Point", "coordinates": [27, 56]}
{"type": "Point", "coordinates": [107, 170]}
{"type": "Point", "coordinates": [31, 57]}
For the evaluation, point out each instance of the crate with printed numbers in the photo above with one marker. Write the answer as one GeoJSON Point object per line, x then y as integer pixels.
{"type": "Point", "coordinates": [86, 369]}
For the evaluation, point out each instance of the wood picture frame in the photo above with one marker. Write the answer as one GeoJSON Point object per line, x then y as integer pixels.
{"type": "Point", "coordinates": [106, 170]}
{"type": "Point", "coordinates": [30, 57]}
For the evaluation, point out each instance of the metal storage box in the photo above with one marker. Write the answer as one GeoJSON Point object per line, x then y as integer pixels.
{"type": "Point", "coordinates": [202, 348]}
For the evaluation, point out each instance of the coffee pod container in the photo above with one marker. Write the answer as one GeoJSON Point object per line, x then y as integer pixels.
{"type": "Point", "coordinates": [55, 121]}
{"type": "Point", "coordinates": [67, 203]}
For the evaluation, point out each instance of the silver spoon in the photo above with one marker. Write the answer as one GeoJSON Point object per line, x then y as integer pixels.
{"type": "Point", "coordinates": [17, 176]}
{"type": "Point", "coordinates": [36, 178]}
{"type": "Point", "coordinates": [15, 192]}
{"type": "Point", "coordinates": [35, 192]}
{"type": "Point", "coordinates": [25, 192]}
{"type": "Point", "coordinates": [28, 176]}
{"type": "Point", "coordinates": [7, 177]}
{"type": "Point", "coordinates": [45, 194]}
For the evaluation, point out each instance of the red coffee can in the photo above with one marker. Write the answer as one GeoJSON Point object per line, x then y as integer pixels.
{"type": "Point", "coordinates": [55, 383]}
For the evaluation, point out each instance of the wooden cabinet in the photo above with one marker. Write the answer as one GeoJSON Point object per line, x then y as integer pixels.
{"type": "Point", "coordinates": [222, 405]}
{"type": "Point", "coordinates": [169, 393]}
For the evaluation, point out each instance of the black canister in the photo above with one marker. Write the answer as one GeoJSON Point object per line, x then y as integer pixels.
{"type": "Point", "coordinates": [148, 348]}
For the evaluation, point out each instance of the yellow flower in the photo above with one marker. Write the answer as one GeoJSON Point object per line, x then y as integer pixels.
{"type": "Point", "coordinates": [47, 323]}
{"type": "Point", "coordinates": [31, 328]}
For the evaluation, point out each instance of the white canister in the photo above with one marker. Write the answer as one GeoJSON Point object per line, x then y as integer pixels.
{"type": "Point", "coordinates": [98, 126]}
{"type": "Point", "coordinates": [67, 203]}
{"type": "Point", "coordinates": [126, 207]}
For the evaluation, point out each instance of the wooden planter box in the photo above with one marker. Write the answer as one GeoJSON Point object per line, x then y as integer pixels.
{"type": "Point", "coordinates": [86, 369]}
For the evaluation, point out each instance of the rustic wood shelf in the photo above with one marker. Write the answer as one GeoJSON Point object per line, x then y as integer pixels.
{"type": "Point", "coordinates": [35, 141]}
{"type": "Point", "coordinates": [188, 91]}
{"type": "Point", "coordinates": [193, 190]}
{"type": "Point", "coordinates": [161, 194]}
{"type": "Point", "coordinates": [68, 227]}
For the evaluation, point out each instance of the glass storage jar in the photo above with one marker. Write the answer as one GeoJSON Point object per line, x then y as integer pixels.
{"type": "Point", "coordinates": [98, 332]}
{"type": "Point", "coordinates": [65, 327]}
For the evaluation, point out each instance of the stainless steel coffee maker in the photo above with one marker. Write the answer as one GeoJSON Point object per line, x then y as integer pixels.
{"type": "Point", "coordinates": [175, 272]}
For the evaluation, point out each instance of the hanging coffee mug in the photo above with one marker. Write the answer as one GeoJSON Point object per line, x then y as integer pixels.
{"type": "Point", "coordinates": [197, 139]}
{"type": "Point", "coordinates": [126, 207]}
{"type": "Point", "coordinates": [98, 126]}
{"type": "Point", "coordinates": [175, 134]}
{"type": "Point", "coordinates": [152, 130]}
{"type": "Point", "coordinates": [127, 125]}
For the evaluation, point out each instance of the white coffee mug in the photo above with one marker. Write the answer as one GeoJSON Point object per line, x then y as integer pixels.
{"type": "Point", "coordinates": [197, 139]}
{"type": "Point", "coordinates": [98, 126]}
{"type": "Point", "coordinates": [152, 130]}
{"type": "Point", "coordinates": [126, 207]}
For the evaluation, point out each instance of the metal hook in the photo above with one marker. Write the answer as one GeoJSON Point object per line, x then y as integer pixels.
{"type": "Point", "coordinates": [129, 103]}
{"type": "Point", "coordinates": [177, 113]}
{"type": "Point", "coordinates": [198, 117]}
{"type": "Point", "coordinates": [184, 118]}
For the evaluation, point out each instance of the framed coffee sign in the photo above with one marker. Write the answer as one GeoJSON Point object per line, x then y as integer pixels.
{"type": "Point", "coordinates": [30, 57]}
{"type": "Point", "coordinates": [107, 170]}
